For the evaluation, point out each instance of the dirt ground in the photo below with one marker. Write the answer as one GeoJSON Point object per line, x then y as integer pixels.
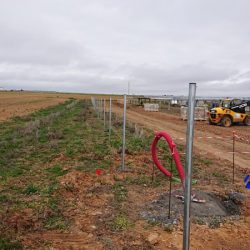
{"type": "Point", "coordinates": [94, 211]}
{"type": "Point", "coordinates": [94, 208]}
{"type": "Point", "coordinates": [215, 143]}
{"type": "Point", "coordinates": [210, 140]}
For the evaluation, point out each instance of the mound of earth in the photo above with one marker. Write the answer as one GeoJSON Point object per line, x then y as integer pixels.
{"type": "Point", "coordinates": [214, 207]}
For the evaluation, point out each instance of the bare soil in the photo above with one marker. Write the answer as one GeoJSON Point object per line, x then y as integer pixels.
{"type": "Point", "coordinates": [215, 141]}
{"type": "Point", "coordinates": [215, 144]}
{"type": "Point", "coordinates": [99, 220]}
{"type": "Point", "coordinates": [95, 212]}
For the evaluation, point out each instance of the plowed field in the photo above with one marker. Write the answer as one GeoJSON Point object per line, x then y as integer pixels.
{"type": "Point", "coordinates": [14, 103]}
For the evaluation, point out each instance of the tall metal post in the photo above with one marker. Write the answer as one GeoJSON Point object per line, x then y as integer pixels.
{"type": "Point", "coordinates": [104, 113]}
{"type": "Point", "coordinates": [100, 108]}
{"type": "Point", "coordinates": [98, 115]}
{"type": "Point", "coordinates": [110, 117]}
{"type": "Point", "coordinates": [93, 101]}
{"type": "Point", "coordinates": [124, 132]}
{"type": "Point", "coordinates": [188, 167]}
{"type": "Point", "coordinates": [233, 152]}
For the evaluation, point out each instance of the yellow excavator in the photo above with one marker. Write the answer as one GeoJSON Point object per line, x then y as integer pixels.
{"type": "Point", "coordinates": [230, 111]}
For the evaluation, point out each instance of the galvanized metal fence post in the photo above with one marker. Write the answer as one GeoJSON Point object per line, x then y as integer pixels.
{"type": "Point", "coordinates": [188, 167]}
{"type": "Point", "coordinates": [233, 153]}
{"type": "Point", "coordinates": [98, 108]}
{"type": "Point", "coordinates": [124, 132]}
{"type": "Point", "coordinates": [104, 113]}
{"type": "Point", "coordinates": [93, 101]}
{"type": "Point", "coordinates": [101, 108]}
{"type": "Point", "coordinates": [110, 117]}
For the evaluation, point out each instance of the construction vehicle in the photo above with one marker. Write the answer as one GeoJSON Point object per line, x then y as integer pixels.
{"type": "Point", "coordinates": [230, 111]}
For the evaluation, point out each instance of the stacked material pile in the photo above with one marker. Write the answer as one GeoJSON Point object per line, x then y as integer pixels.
{"type": "Point", "coordinates": [151, 107]}
{"type": "Point", "coordinates": [199, 115]}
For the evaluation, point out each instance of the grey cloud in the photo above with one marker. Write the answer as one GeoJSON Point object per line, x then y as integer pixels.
{"type": "Point", "coordinates": [98, 46]}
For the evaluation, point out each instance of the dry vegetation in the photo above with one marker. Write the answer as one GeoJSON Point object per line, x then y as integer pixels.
{"type": "Point", "coordinates": [19, 103]}
{"type": "Point", "coordinates": [52, 198]}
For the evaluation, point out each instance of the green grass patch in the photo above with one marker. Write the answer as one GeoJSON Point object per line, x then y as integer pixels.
{"type": "Point", "coordinates": [50, 188]}
{"type": "Point", "coordinates": [56, 222]}
{"type": "Point", "coordinates": [120, 192]}
{"type": "Point", "coordinates": [7, 244]}
{"type": "Point", "coordinates": [53, 203]}
{"type": "Point", "coordinates": [220, 176]}
{"type": "Point", "coordinates": [56, 170]}
{"type": "Point", "coordinates": [204, 161]}
{"type": "Point", "coordinates": [3, 198]}
{"type": "Point", "coordinates": [139, 180]}
{"type": "Point", "coordinates": [31, 189]}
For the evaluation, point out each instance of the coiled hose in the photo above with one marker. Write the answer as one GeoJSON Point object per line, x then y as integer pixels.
{"type": "Point", "coordinates": [175, 155]}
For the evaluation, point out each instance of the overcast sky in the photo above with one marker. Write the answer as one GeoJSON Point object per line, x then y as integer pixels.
{"type": "Point", "coordinates": [98, 46]}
